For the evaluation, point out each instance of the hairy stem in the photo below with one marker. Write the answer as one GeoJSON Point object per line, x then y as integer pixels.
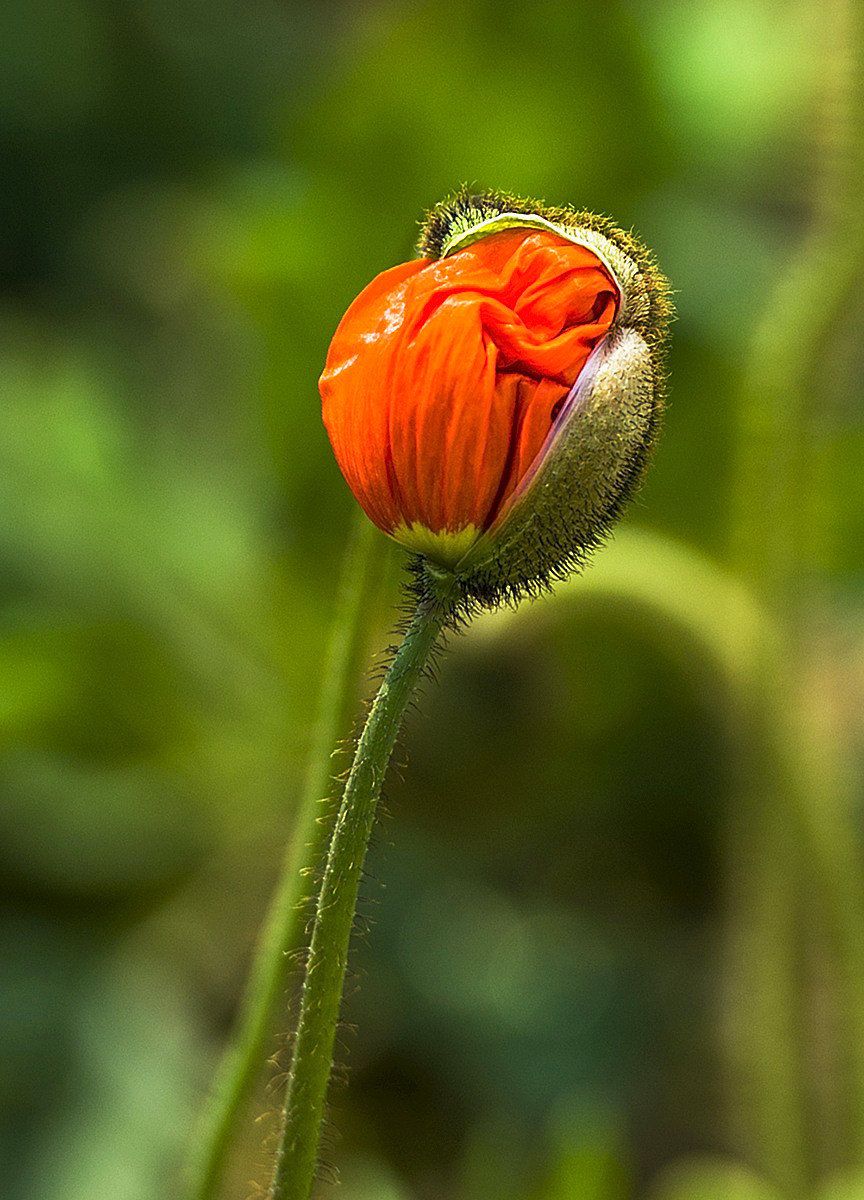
{"type": "Point", "coordinates": [312, 1058]}
{"type": "Point", "coordinates": [283, 929]}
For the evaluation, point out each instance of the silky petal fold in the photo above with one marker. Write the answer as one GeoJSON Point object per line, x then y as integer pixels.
{"type": "Point", "coordinates": [445, 376]}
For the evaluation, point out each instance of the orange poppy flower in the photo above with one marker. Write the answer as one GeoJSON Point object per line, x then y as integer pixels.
{"type": "Point", "coordinates": [447, 380]}
{"type": "Point", "coordinates": [493, 404]}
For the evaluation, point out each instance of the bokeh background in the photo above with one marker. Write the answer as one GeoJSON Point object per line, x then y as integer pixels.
{"type": "Point", "coordinates": [589, 971]}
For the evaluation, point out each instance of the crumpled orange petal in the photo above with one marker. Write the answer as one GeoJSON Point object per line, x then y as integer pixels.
{"type": "Point", "coordinates": [445, 376]}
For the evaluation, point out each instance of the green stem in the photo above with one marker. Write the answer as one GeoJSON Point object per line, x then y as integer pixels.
{"type": "Point", "coordinates": [779, 400]}
{"type": "Point", "coordinates": [284, 927]}
{"type": "Point", "coordinates": [312, 1058]}
{"type": "Point", "coordinates": [783, 402]}
{"type": "Point", "coordinates": [779, 511]}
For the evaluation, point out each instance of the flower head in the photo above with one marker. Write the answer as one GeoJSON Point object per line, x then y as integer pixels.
{"type": "Point", "coordinates": [491, 403]}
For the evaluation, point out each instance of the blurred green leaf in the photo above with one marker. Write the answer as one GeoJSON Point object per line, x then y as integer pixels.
{"type": "Point", "coordinates": [711, 1179]}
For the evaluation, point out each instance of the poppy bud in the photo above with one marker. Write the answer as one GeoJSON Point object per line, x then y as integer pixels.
{"type": "Point", "coordinates": [492, 404]}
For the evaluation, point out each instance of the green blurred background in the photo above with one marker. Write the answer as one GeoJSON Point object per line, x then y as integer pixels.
{"type": "Point", "coordinates": [549, 1000]}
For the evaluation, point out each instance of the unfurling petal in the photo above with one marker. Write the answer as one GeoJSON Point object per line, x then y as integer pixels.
{"type": "Point", "coordinates": [452, 380]}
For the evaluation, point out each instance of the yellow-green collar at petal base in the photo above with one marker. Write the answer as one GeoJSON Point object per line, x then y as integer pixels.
{"type": "Point", "coordinates": [446, 547]}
